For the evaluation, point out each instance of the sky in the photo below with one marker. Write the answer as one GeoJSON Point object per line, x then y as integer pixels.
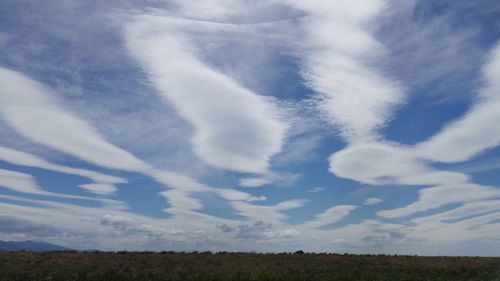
{"type": "Point", "coordinates": [364, 126]}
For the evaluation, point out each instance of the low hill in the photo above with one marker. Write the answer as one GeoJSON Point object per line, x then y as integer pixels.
{"type": "Point", "coordinates": [31, 246]}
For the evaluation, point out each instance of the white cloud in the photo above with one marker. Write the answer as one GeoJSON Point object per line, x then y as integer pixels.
{"type": "Point", "coordinates": [467, 210]}
{"type": "Point", "coordinates": [388, 163]}
{"type": "Point", "coordinates": [207, 9]}
{"type": "Point", "coordinates": [258, 230]}
{"type": "Point", "coordinates": [431, 51]}
{"type": "Point", "coordinates": [299, 148]}
{"type": "Point", "coordinates": [182, 187]}
{"type": "Point", "coordinates": [115, 229]}
{"type": "Point", "coordinates": [285, 233]}
{"type": "Point", "coordinates": [435, 197]}
{"type": "Point", "coordinates": [19, 182]}
{"type": "Point", "coordinates": [337, 51]}
{"type": "Point", "coordinates": [99, 188]}
{"type": "Point", "coordinates": [471, 134]}
{"type": "Point", "coordinates": [273, 213]}
{"type": "Point", "coordinates": [29, 108]}
{"type": "Point", "coordinates": [275, 178]}
{"type": "Point", "coordinates": [257, 198]}
{"type": "Point", "coordinates": [108, 229]}
{"type": "Point", "coordinates": [232, 195]}
{"type": "Point", "coordinates": [379, 163]}
{"type": "Point", "coordinates": [254, 182]}
{"type": "Point", "coordinates": [25, 159]}
{"type": "Point", "coordinates": [365, 236]}
{"type": "Point", "coordinates": [25, 183]}
{"type": "Point", "coordinates": [128, 226]}
{"type": "Point", "coordinates": [474, 220]}
{"type": "Point", "coordinates": [385, 163]}
{"type": "Point", "coordinates": [479, 166]}
{"type": "Point", "coordinates": [330, 216]}
{"type": "Point", "coordinates": [373, 201]}
{"type": "Point", "coordinates": [235, 129]}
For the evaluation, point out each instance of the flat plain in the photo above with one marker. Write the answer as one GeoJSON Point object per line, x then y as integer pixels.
{"type": "Point", "coordinates": [206, 266]}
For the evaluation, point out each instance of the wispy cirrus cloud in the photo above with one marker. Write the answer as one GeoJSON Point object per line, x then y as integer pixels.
{"type": "Point", "coordinates": [338, 51]}
{"type": "Point", "coordinates": [258, 230]}
{"type": "Point", "coordinates": [471, 134]}
{"type": "Point", "coordinates": [373, 201]}
{"type": "Point", "coordinates": [26, 183]}
{"type": "Point", "coordinates": [442, 195]}
{"type": "Point", "coordinates": [367, 161]}
{"type": "Point", "coordinates": [53, 125]}
{"type": "Point", "coordinates": [103, 184]}
{"type": "Point", "coordinates": [131, 227]}
{"type": "Point", "coordinates": [235, 129]}
{"type": "Point", "coordinates": [330, 216]}
{"type": "Point", "coordinates": [388, 163]}
{"type": "Point", "coordinates": [474, 219]}
{"type": "Point", "coordinates": [31, 111]}
{"type": "Point", "coordinates": [274, 213]}
{"type": "Point", "coordinates": [205, 98]}
{"type": "Point", "coordinates": [21, 182]}
{"type": "Point", "coordinates": [445, 47]}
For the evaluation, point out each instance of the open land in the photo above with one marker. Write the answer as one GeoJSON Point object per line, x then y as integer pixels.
{"type": "Point", "coordinates": [206, 266]}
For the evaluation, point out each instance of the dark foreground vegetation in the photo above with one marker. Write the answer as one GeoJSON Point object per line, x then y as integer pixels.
{"type": "Point", "coordinates": [25, 266]}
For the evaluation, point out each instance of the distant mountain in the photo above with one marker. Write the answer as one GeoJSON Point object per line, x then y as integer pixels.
{"type": "Point", "coordinates": [31, 246]}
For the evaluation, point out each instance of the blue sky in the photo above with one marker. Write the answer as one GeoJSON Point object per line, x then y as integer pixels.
{"type": "Point", "coordinates": [361, 126]}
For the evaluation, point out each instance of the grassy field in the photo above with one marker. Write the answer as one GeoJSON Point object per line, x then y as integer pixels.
{"type": "Point", "coordinates": [24, 266]}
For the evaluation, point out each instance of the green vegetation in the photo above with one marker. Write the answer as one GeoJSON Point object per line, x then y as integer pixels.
{"type": "Point", "coordinates": [25, 266]}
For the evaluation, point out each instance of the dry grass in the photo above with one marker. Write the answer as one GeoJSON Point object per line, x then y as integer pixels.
{"type": "Point", "coordinates": [240, 266]}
